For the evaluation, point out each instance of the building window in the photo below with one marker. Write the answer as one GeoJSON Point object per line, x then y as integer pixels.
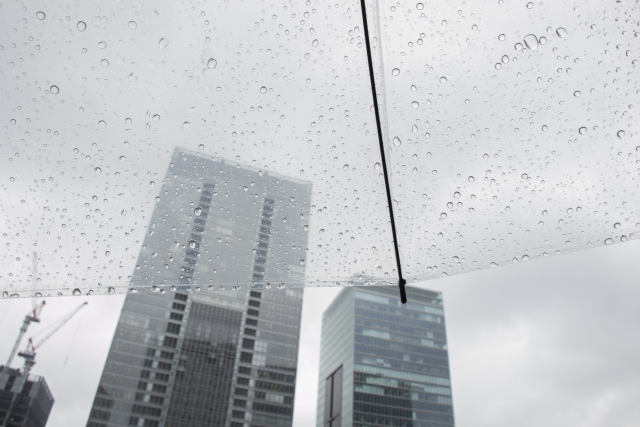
{"type": "Point", "coordinates": [333, 399]}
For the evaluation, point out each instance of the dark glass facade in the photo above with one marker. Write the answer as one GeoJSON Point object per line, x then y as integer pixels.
{"type": "Point", "coordinates": [194, 354]}
{"type": "Point", "coordinates": [31, 407]}
{"type": "Point", "coordinates": [394, 358]}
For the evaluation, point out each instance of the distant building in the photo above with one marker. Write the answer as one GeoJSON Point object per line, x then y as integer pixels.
{"type": "Point", "coordinates": [383, 363]}
{"type": "Point", "coordinates": [187, 356]}
{"type": "Point", "coordinates": [31, 408]}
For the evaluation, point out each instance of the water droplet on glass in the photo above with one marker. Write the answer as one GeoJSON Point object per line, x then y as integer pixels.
{"type": "Point", "coordinates": [502, 37]}
{"type": "Point", "coordinates": [197, 211]}
{"type": "Point", "coordinates": [457, 194]}
{"type": "Point", "coordinates": [54, 89]}
{"type": "Point", "coordinates": [443, 215]}
{"type": "Point", "coordinates": [493, 264]}
{"type": "Point", "coordinates": [133, 25]}
{"type": "Point", "coordinates": [192, 244]}
{"type": "Point", "coordinates": [345, 167]}
{"type": "Point", "coordinates": [12, 121]}
{"type": "Point", "coordinates": [263, 89]}
{"type": "Point", "coordinates": [97, 170]}
{"type": "Point", "coordinates": [76, 292]}
{"type": "Point", "coordinates": [486, 156]}
{"type": "Point", "coordinates": [608, 241]}
{"type": "Point", "coordinates": [201, 146]}
{"type": "Point", "coordinates": [211, 63]}
{"type": "Point", "coordinates": [582, 130]}
{"type": "Point", "coordinates": [542, 41]}
{"type": "Point", "coordinates": [122, 159]}
{"type": "Point", "coordinates": [82, 26]}
{"type": "Point", "coordinates": [419, 6]}
{"type": "Point", "coordinates": [577, 93]}
{"type": "Point", "coordinates": [517, 46]}
{"type": "Point", "coordinates": [415, 104]}
{"type": "Point", "coordinates": [561, 32]}
{"type": "Point", "coordinates": [621, 134]}
{"type": "Point", "coordinates": [505, 59]}
{"type": "Point", "coordinates": [544, 213]}
{"type": "Point", "coordinates": [40, 15]}
{"type": "Point", "coordinates": [544, 128]}
{"type": "Point", "coordinates": [102, 45]}
{"type": "Point", "coordinates": [415, 171]}
{"type": "Point", "coordinates": [471, 179]}
{"type": "Point", "coordinates": [102, 124]}
{"type": "Point", "coordinates": [530, 5]}
{"type": "Point", "coordinates": [395, 71]}
{"type": "Point", "coordinates": [525, 257]}
{"type": "Point", "coordinates": [163, 43]}
{"type": "Point", "coordinates": [301, 262]}
{"type": "Point", "coordinates": [111, 290]}
{"type": "Point", "coordinates": [444, 23]}
{"type": "Point", "coordinates": [396, 141]}
{"type": "Point", "coordinates": [531, 41]}
{"type": "Point", "coordinates": [524, 176]}
{"type": "Point", "coordinates": [443, 80]}
{"type": "Point", "coordinates": [498, 66]}
{"type": "Point", "coordinates": [617, 225]}
{"type": "Point", "coordinates": [104, 63]}
{"type": "Point", "coordinates": [186, 124]}
{"type": "Point", "coordinates": [414, 128]}
{"type": "Point", "coordinates": [377, 166]}
{"type": "Point", "coordinates": [315, 43]}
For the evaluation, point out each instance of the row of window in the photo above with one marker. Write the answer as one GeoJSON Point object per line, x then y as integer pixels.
{"type": "Point", "coordinates": [398, 319]}
{"type": "Point", "coordinates": [394, 327]}
{"type": "Point", "coordinates": [263, 241]}
{"type": "Point", "coordinates": [398, 402]}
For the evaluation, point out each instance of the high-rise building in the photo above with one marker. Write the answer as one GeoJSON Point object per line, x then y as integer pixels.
{"type": "Point", "coordinates": [31, 407]}
{"type": "Point", "coordinates": [383, 363]}
{"type": "Point", "coordinates": [191, 354]}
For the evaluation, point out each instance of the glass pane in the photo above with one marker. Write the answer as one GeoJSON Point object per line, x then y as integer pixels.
{"type": "Point", "coordinates": [511, 129]}
{"type": "Point", "coordinates": [118, 116]}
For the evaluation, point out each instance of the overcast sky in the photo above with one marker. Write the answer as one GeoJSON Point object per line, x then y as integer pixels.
{"type": "Point", "coordinates": [551, 342]}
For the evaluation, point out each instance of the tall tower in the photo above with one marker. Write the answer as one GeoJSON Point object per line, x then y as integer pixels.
{"type": "Point", "coordinates": [191, 354]}
{"type": "Point", "coordinates": [383, 363]}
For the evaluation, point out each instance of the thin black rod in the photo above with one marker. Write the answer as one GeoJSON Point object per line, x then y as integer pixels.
{"type": "Point", "coordinates": [401, 281]}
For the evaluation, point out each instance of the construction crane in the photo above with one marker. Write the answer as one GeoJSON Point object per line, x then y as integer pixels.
{"type": "Point", "coordinates": [29, 356]}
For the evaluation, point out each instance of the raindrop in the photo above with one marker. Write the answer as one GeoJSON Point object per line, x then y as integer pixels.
{"type": "Point", "coordinates": [415, 104]}
{"type": "Point", "coordinates": [156, 117]}
{"type": "Point", "coordinates": [197, 211]}
{"type": "Point", "coordinates": [621, 134]}
{"type": "Point", "coordinates": [544, 128]}
{"type": "Point", "coordinates": [263, 89]}
{"type": "Point", "coordinates": [531, 41]}
{"type": "Point", "coordinates": [471, 179]}
{"type": "Point", "coordinates": [493, 264]}
{"type": "Point", "coordinates": [345, 167]}
{"type": "Point", "coordinates": [541, 223]}
{"type": "Point", "coordinates": [517, 46]}
{"type": "Point", "coordinates": [163, 43]}
{"type": "Point", "coordinates": [395, 71]}
{"type": "Point", "coordinates": [415, 171]}
{"type": "Point", "coordinates": [81, 26]}
{"type": "Point", "coordinates": [76, 292]}
{"type": "Point", "coordinates": [97, 170]}
{"type": "Point", "coordinates": [414, 88]}
{"type": "Point", "coordinates": [498, 66]}
{"type": "Point", "coordinates": [102, 45]}
{"type": "Point", "coordinates": [104, 63]}
{"type": "Point", "coordinates": [414, 128]}
{"type": "Point", "coordinates": [102, 124]}
{"type": "Point", "coordinates": [444, 23]}
{"type": "Point", "coordinates": [54, 89]}
{"type": "Point", "coordinates": [152, 184]}
{"type": "Point", "coordinates": [545, 213]}
{"type": "Point", "coordinates": [561, 32]}
{"type": "Point", "coordinates": [315, 43]}
{"type": "Point", "coordinates": [186, 124]}
{"type": "Point", "coordinates": [122, 159]}
{"type": "Point", "coordinates": [582, 130]}
{"type": "Point", "coordinates": [133, 25]}
{"type": "Point", "coordinates": [524, 176]}
{"type": "Point", "coordinates": [530, 5]}
{"type": "Point", "coordinates": [608, 241]}
{"type": "Point", "coordinates": [396, 141]}
{"type": "Point", "coordinates": [419, 6]}
{"type": "Point", "coordinates": [502, 37]}
{"type": "Point", "coordinates": [457, 194]}
{"type": "Point", "coordinates": [377, 166]}
{"type": "Point", "coordinates": [617, 225]}
{"type": "Point", "coordinates": [443, 215]}
{"type": "Point", "coordinates": [192, 244]}
{"type": "Point", "coordinates": [12, 121]}
{"type": "Point", "coordinates": [505, 59]}
{"type": "Point", "coordinates": [211, 63]}
{"type": "Point", "coordinates": [525, 257]}
{"type": "Point", "coordinates": [486, 156]}
{"type": "Point", "coordinates": [201, 146]}
{"type": "Point", "coordinates": [111, 290]}
{"type": "Point", "coordinates": [443, 80]}
{"type": "Point", "coordinates": [40, 15]}
{"type": "Point", "coordinates": [577, 94]}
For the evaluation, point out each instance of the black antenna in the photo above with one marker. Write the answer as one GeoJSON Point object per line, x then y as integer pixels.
{"type": "Point", "coordinates": [401, 281]}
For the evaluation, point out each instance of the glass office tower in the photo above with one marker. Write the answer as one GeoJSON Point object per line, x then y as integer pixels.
{"type": "Point", "coordinates": [31, 408]}
{"type": "Point", "coordinates": [383, 363]}
{"type": "Point", "coordinates": [190, 354]}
